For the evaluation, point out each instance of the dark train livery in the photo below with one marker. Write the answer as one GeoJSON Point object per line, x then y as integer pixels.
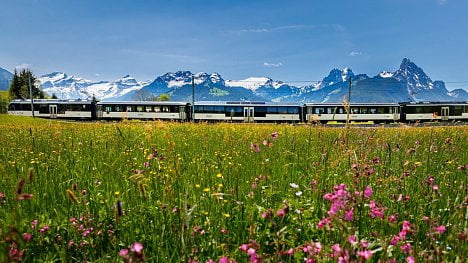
{"type": "Point", "coordinates": [243, 111]}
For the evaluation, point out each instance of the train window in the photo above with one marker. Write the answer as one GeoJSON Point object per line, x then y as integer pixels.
{"type": "Point", "coordinates": [218, 109]}
{"type": "Point", "coordinates": [12, 107]}
{"type": "Point", "coordinates": [61, 108]}
{"type": "Point", "coordinates": [282, 110]}
{"type": "Point", "coordinates": [373, 111]}
{"type": "Point", "coordinates": [26, 107]}
{"type": "Point", "coordinates": [272, 110]}
{"type": "Point", "coordinates": [234, 112]}
{"type": "Point", "coordinates": [140, 108]}
{"type": "Point", "coordinates": [165, 109]}
{"type": "Point", "coordinates": [354, 110]}
{"type": "Point", "coordinates": [319, 110]}
{"type": "Point", "coordinates": [119, 109]}
{"type": "Point", "coordinates": [341, 110]}
{"type": "Point", "coordinates": [330, 110]}
{"type": "Point", "coordinates": [108, 109]}
{"type": "Point", "coordinates": [465, 109]}
{"type": "Point", "coordinates": [363, 110]}
{"type": "Point", "coordinates": [260, 112]}
{"type": "Point", "coordinates": [157, 109]}
{"type": "Point", "coordinates": [198, 109]}
{"type": "Point", "coordinates": [43, 108]}
{"type": "Point", "coordinates": [149, 109]}
{"type": "Point", "coordinates": [457, 110]}
{"type": "Point", "coordinates": [293, 110]}
{"type": "Point", "coordinates": [175, 109]}
{"type": "Point", "coordinates": [129, 108]}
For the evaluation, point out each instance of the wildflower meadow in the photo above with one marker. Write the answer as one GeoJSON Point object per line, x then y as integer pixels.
{"type": "Point", "coordinates": [184, 192]}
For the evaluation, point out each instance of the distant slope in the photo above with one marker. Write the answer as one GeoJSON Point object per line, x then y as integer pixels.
{"type": "Point", "coordinates": [5, 79]}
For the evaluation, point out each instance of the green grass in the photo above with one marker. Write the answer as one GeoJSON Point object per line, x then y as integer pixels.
{"type": "Point", "coordinates": [202, 191]}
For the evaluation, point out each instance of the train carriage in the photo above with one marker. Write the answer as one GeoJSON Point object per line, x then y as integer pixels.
{"type": "Point", "coordinates": [247, 112]}
{"type": "Point", "coordinates": [164, 110]}
{"type": "Point", "coordinates": [375, 112]}
{"type": "Point", "coordinates": [434, 111]}
{"type": "Point", "coordinates": [50, 108]}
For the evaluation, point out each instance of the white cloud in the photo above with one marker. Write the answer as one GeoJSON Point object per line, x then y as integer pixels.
{"type": "Point", "coordinates": [355, 53]}
{"type": "Point", "coordinates": [272, 65]}
{"type": "Point", "coordinates": [23, 66]}
{"type": "Point", "coordinates": [336, 27]}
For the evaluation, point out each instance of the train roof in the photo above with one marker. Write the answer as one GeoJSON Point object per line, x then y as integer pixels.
{"type": "Point", "coordinates": [434, 103]}
{"type": "Point", "coordinates": [51, 101]}
{"type": "Point", "coordinates": [360, 104]}
{"type": "Point", "coordinates": [144, 103]}
{"type": "Point", "coordinates": [242, 103]}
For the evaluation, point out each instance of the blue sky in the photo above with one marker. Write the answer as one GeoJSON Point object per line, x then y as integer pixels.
{"type": "Point", "coordinates": [284, 40]}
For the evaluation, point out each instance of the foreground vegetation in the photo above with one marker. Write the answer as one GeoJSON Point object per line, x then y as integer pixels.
{"type": "Point", "coordinates": [169, 192]}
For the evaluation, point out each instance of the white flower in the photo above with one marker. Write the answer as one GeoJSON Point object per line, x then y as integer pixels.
{"type": "Point", "coordinates": [298, 193]}
{"type": "Point", "coordinates": [293, 185]}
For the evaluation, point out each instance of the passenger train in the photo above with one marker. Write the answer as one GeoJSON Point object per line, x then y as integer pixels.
{"type": "Point", "coordinates": [243, 111]}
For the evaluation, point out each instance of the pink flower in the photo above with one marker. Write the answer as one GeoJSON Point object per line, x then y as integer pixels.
{"type": "Point", "coordinates": [394, 240]}
{"type": "Point", "coordinates": [440, 229]}
{"type": "Point", "coordinates": [255, 147]}
{"type": "Point", "coordinates": [34, 224]}
{"type": "Point", "coordinates": [392, 218]}
{"type": "Point", "coordinates": [310, 260]}
{"type": "Point", "coordinates": [435, 188]}
{"type": "Point", "coordinates": [223, 260]}
{"type": "Point", "coordinates": [281, 213]}
{"type": "Point", "coordinates": [307, 248]}
{"type": "Point", "coordinates": [70, 243]}
{"type": "Point", "coordinates": [123, 252]}
{"type": "Point", "coordinates": [406, 248]}
{"type": "Point", "coordinates": [274, 135]}
{"type": "Point", "coordinates": [44, 229]}
{"type": "Point", "coordinates": [368, 192]}
{"type": "Point", "coordinates": [137, 248]}
{"type": "Point", "coordinates": [336, 250]}
{"type": "Point", "coordinates": [290, 252]}
{"type": "Point", "coordinates": [352, 240]}
{"type": "Point", "coordinates": [265, 142]}
{"type": "Point", "coordinates": [317, 247]}
{"type": "Point", "coordinates": [27, 236]}
{"type": "Point", "coordinates": [410, 259]}
{"type": "Point", "coordinates": [244, 247]}
{"type": "Point", "coordinates": [365, 254]}
{"type": "Point", "coordinates": [324, 222]}
{"type": "Point", "coordinates": [251, 251]}
{"type": "Point", "coordinates": [349, 215]}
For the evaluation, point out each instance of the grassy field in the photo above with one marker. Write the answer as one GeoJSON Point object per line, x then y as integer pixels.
{"type": "Point", "coordinates": [171, 192]}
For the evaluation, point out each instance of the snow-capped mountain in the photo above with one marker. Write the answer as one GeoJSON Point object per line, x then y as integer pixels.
{"type": "Point", "coordinates": [407, 83]}
{"type": "Point", "coordinates": [71, 87]}
{"type": "Point", "coordinates": [5, 79]}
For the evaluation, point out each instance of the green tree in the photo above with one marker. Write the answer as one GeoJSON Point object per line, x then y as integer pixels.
{"type": "Point", "coordinates": [19, 87]}
{"type": "Point", "coordinates": [164, 97]}
{"type": "Point", "coordinates": [54, 96]}
{"type": "Point", "coordinates": [4, 101]}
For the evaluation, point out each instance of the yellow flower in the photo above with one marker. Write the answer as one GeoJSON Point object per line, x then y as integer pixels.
{"type": "Point", "coordinates": [227, 215]}
{"type": "Point", "coordinates": [197, 186]}
{"type": "Point", "coordinates": [220, 185]}
{"type": "Point", "coordinates": [219, 175]}
{"type": "Point", "coordinates": [117, 193]}
{"type": "Point", "coordinates": [206, 190]}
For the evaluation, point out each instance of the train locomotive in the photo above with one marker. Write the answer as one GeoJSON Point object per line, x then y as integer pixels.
{"type": "Point", "coordinates": [242, 111]}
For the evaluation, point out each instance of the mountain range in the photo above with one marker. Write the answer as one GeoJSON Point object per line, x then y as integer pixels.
{"type": "Point", "coordinates": [407, 83]}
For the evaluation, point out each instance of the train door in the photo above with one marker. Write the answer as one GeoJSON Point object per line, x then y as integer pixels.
{"type": "Point", "coordinates": [99, 111]}
{"type": "Point", "coordinates": [445, 113]}
{"type": "Point", "coordinates": [248, 114]}
{"type": "Point", "coordinates": [182, 114]}
{"type": "Point", "coordinates": [53, 111]}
